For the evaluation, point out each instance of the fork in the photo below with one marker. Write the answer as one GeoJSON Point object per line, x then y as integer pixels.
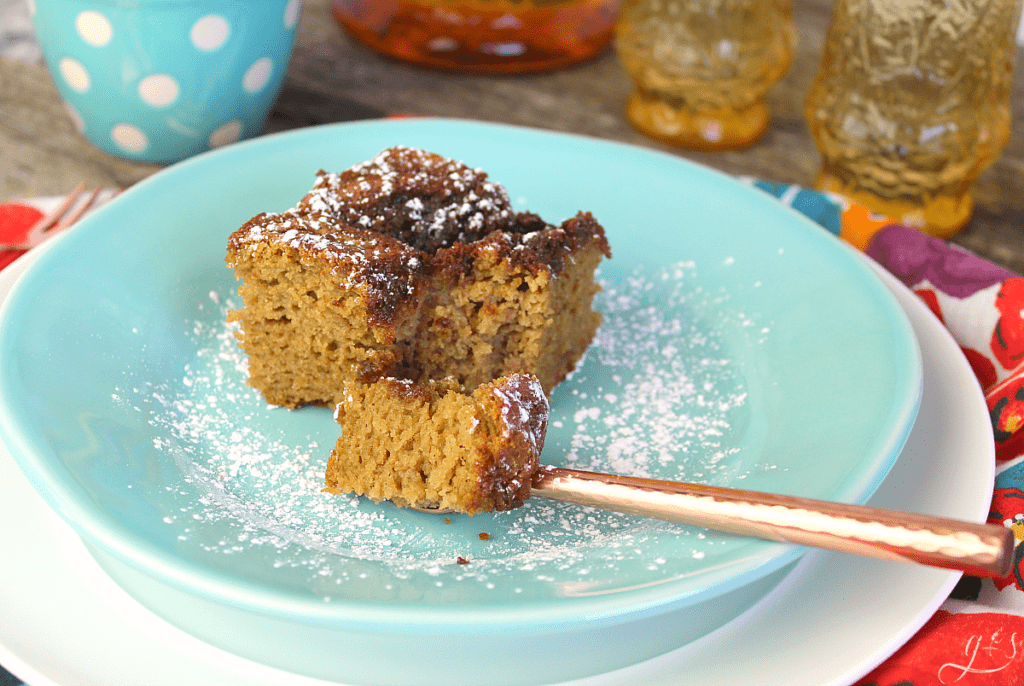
{"type": "Point", "coordinates": [70, 210]}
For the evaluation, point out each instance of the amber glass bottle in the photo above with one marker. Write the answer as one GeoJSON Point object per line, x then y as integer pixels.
{"type": "Point", "coordinates": [483, 36]}
{"type": "Point", "coordinates": [911, 103]}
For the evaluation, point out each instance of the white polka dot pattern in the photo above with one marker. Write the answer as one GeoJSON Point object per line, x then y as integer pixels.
{"type": "Point", "coordinates": [210, 32]}
{"type": "Point", "coordinates": [189, 77]}
{"type": "Point", "coordinates": [94, 28]}
{"type": "Point", "coordinates": [74, 74]}
{"type": "Point", "coordinates": [291, 13]}
{"type": "Point", "coordinates": [226, 134]}
{"type": "Point", "coordinates": [257, 75]}
{"type": "Point", "coordinates": [129, 138]}
{"type": "Point", "coordinates": [159, 90]}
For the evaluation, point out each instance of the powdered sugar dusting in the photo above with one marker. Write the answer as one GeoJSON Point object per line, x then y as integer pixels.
{"type": "Point", "coordinates": [657, 394]}
{"type": "Point", "coordinates": [667, 395]}
{"type": "Point", "coordinates": [524, 407]}
{"type": "Point", "coordinates": [427, 200]}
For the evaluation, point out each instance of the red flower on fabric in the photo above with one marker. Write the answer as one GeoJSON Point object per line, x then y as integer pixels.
{"type": "Point", "coordinates": [932, 301]}
{"type": "Point", "coordinates": [15, 221]}
{"type": "Point", "coordinates": [1008, 337]}
{"type": "Point", "coordinates": [980, 364]}
{"type": "Point", "coordinates": [1008, 506]}
{"type": "Point", "coordinates": [1006, 406]}
{"type": "Point", "coordinates": [968, 649]}
{"type": "Point", "coordinates": [9, 256]}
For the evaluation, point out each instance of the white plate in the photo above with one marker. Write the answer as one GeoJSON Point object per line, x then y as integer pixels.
{"type": "Point", "coordinates": [830, 622]}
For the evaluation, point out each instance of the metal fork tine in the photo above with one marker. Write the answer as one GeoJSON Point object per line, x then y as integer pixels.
{"type": "Point", "coordinates": [77, 214]}
{"type": "Point", "coordinates": [44, 224]}
{"type": "Point", "coordinates": [67, 213]}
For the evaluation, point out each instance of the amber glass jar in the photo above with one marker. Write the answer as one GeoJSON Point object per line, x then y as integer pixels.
{"type": "Point", "coordinates": [701, 68]}
{"type": "Point", "coordinates": [488, 36]}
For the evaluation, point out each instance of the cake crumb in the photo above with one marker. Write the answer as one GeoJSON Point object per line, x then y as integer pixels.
{"type": "Point", "coordinates": [484, 536]}
{"type": "Point", "coordinates": [430, 451]}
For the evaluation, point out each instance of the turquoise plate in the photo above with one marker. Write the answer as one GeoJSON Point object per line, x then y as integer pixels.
{"type": "Point", "coordinates": [742, 346]}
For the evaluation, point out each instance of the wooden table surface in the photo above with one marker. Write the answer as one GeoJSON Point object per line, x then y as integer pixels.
{"type": "Point", "coordinates": [332, 78]}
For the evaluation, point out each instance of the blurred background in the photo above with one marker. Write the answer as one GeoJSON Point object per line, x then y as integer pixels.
{"type": "Point", "coordinates": [333, 77]}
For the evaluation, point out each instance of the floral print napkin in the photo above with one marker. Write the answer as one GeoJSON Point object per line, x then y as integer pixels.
{"type": "Point", "coordinates": [977, 636]}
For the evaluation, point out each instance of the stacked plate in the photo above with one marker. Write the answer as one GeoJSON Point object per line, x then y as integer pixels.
{"type": "Point", "coordinates": [742, 346]}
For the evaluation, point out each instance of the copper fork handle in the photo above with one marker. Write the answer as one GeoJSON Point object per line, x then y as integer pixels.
{"type": "Point", "coordinates": [977, 549]}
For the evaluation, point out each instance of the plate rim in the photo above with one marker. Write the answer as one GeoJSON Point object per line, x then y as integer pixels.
{"type": "Point", "coordinates": [135, 550]}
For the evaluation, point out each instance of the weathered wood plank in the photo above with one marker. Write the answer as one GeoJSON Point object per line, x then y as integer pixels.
{"type": "Point", "coordinates": [331, 78]}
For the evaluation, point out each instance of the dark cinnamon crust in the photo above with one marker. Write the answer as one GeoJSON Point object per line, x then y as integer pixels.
{"type": "Point", "coordinates": [533, 245]}
{"type": "Point", "coordinates": [390, 271]}
{"type": "Point", "coordinates": [422, 199]}
{"type": "Point", "coordinates": [506, 477]}
{"type": "Point", "coordinates": [398, 253]}
{"type": "Point", "coordinates": [331, 288]}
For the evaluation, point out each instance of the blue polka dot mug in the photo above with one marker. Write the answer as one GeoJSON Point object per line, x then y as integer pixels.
{"type": "Point", "coordinates": [162, 80]}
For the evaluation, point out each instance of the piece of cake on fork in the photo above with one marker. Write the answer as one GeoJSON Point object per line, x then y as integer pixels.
{"type": "Point", "coordinates": [437, 445]}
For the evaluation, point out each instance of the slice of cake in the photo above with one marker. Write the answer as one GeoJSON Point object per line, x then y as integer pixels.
{"type": "Point", "coordinates": [435, 444]}
{"type": "Point", "coordinates": [411, 266]}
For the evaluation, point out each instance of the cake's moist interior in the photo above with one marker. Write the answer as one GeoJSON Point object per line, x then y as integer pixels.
{"type": "Point", "coordinates": [435, 444]}
{"type": "Point", "coordinates": [414, 266]}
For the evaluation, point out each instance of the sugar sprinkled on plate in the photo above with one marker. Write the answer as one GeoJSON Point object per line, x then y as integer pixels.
{"type": "Point", "coordinates": [657, 394]}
